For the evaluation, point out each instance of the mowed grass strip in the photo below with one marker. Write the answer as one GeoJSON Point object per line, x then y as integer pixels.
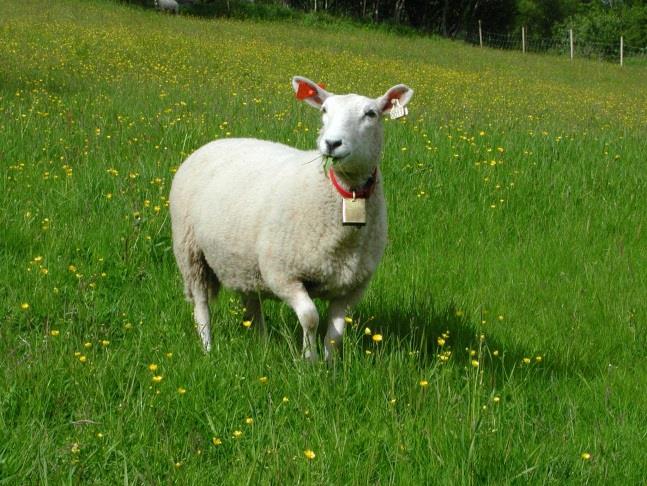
{"type": "Point", "coordinates": [510, 303]}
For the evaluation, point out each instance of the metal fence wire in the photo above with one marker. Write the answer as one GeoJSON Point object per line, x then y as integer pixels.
{"type": "Point", "coordinates": [616, 52]}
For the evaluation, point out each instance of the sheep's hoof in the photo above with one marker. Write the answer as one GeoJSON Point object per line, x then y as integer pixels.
{"type": "Point", "coordinates": [310, 356]}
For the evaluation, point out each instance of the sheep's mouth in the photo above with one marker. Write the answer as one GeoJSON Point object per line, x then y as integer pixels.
{"type": "Point", "coordinates": [329, 161]}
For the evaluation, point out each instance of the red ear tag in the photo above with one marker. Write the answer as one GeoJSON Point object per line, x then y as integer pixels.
{"type": "Point", "coordinates": [305, 91]}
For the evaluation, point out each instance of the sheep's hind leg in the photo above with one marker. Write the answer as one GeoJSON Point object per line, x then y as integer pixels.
{"type": "Point", "coordinates": [254, 312]}
{"type": "Point", "coordinates": [204, 285]}
{"type": "Point", "coordinates": [201, 315]}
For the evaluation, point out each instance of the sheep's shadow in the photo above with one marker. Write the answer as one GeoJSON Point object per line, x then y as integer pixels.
{"type": "Point", "coordinates": [435, 331]}
{"type": "Point", "coordinates": [419, 332]}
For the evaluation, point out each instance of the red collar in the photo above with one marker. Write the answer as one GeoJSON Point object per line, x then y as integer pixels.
{"type": "Point", "coordinates": [363, 192]}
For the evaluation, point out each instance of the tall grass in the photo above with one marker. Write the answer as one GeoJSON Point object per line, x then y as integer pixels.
{"type": "Point", "coordinates": [511, 299]}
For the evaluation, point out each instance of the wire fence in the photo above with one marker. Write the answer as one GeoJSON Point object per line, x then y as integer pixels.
{"type": "Point", "coordinates": [568, 45]}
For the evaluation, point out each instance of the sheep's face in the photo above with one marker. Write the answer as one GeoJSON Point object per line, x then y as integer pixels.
{"type": "Point", "coordinates": [351, 131]}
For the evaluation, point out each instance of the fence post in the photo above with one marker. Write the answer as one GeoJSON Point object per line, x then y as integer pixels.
{"type": "Point", "coordinates": [480, 35]}
{"type": "Point", "coordinates": [523, 40]}
{"type": "Point", "coordinates": [622, 48]}
{"type": "Point", "coordinates": [570, 36]}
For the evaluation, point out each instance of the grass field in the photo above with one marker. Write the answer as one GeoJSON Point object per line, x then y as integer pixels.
{"type": "Point", "coordinates": [511, 300]}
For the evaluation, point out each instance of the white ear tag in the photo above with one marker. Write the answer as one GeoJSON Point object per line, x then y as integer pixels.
{"type": "Point", "coordinates": [398, 111]}
{"type": "Point", "coordinates": [353, 211]}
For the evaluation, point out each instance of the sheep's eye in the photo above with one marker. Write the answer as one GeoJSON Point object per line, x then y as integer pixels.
{"type": "Point", "coordinates": [323, 110]}
{"type": "Point", "coordinates": [370, 114]}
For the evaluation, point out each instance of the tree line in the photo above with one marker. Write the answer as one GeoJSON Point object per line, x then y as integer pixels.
{"type": "Point", "coordinates": [595, 21]}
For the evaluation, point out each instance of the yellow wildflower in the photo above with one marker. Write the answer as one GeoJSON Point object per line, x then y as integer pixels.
{"type": "Point", "coordinates": [309, 453]}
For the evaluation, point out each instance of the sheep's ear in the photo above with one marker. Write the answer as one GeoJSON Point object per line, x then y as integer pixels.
{"type": "Point", "coordinates": [310, 92]}
{"type": "Point", "coordinates": [400, 92]}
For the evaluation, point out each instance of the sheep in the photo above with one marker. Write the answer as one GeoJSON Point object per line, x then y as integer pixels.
{"type": "Point", "coordinates": [167, 5]}
{"type": "Point", "coordinates": [265, 220]}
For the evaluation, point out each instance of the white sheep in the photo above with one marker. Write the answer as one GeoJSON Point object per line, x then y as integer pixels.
{"type": "Point", "coordinates": [265, 219]}
{"type": "Point", "coordinates": [167, 5]}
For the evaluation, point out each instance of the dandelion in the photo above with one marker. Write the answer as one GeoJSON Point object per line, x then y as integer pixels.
{"type": "Point", "coordinates": [247, 324]}
{"type": "Point", "coordinates": [87, 345]}
{"type": "Point", "coordinates": [495, 352]}
{"type": "Point", "coordinates": [157, 378]}
{"type": "Point", "coordinates": [348, 320]}
{"type": "Point", "coordinates": [263, 380]}
{"type": "Point", "coordinates": [24, 306]}
{"type": "Point", "coordinates": [178, 465]}
{"type": "Point", "coordinates": [169, 355]}
{"type": "Point", "coordinates": [104, 342]}
{"type": "Point", "coordinates": [54, 332]}
{"type": "Point", "coordinates": [309, 453]}
{"type": "Point", "coordinates": [249, 421]}
{"type": "Point", "coordinates": [440, 341]}
{"type": "Point", "coordinates": [237, 434]}
{"type": "Point", "coordinates": [83, 358]}
{"type": "Point", "coordinates": [285, 399]}
{"type": "Point", "coordinates": [75, 448]}
{"type": "Point", "coordinates": [377, 338]}
{"type": "Point", "coordinates": [216, 441]}
{"type": "Point", "coordinates": [152, 367]}
{"type": "Point", "coordinates": [367, 331]}
{"type": "Point", "coordinates": [475, 363]}
{"type": "Point", "coordinates": [539, 359]}
{"type": "Point", "coordinates": [496, 399]}
{"type": "Point", "coordinates": [423, 383]}
{"type": "Point", "coordinates": [585, 456]}
{"type": "Point", "coordinates": [526, 361]}
{"type": "Point", "coordinates": [181, 390]}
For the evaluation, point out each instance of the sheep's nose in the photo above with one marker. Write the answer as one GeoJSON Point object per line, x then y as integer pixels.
{"type": "Point", "coordinates": [331, 145]}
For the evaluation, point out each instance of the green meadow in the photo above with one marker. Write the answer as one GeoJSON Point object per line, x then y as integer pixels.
{"type": "Point", "coordinates": [501, 341]}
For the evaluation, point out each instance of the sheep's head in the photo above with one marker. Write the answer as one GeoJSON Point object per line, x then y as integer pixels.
{"type": "Point", "coordinates": [351, 131]}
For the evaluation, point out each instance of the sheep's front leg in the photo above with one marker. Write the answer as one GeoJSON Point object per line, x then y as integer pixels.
{"type": "Point", "coordinates": [336, 326]}
{"type": "Point", "coordinates": [308, 316]}
{"type": "Point", "coordinates": [337, 321]}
